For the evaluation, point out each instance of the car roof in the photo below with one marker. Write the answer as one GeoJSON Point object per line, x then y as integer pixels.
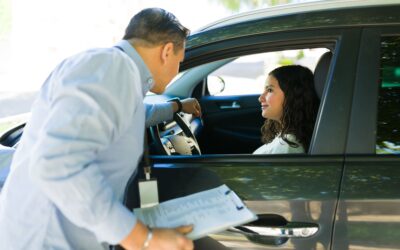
{"type": "Point", "coordinates": [296, 8]}
{"type": "Point", "coordinates": [303, 16]}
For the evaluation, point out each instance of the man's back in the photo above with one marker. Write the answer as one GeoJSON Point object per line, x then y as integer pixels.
{"type": "Point", "coordinates": [85, 122]}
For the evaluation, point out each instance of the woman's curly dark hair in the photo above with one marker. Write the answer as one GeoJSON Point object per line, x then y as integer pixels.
{"type": "Point", "coordinates": [300, 106]}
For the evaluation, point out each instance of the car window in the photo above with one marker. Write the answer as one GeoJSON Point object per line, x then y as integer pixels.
{"type": "Point", "coordinates": [246, 75]}
{"type": "Point", "coordinates": [388, 123]}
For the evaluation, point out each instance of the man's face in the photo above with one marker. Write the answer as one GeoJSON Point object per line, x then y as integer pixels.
{"type": "Point", "coordinates": [169, 67]}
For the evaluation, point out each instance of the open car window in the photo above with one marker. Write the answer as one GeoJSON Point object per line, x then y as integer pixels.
{"type": "Point", "coordinates": [228, 91]}
{"type": "Point", "coordinates": [246, 75]}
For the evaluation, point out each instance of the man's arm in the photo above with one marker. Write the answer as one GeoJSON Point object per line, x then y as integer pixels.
{"type": "Point", "coordinates": [87, 110]}
{"type": "Point", "coordinates": [157, 113]}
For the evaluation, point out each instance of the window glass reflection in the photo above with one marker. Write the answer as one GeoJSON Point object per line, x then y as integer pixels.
{"type": "Point", "coordinates": [388, 127]}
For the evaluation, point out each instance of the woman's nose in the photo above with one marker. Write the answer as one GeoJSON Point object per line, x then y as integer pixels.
{"type": "Point", "coordinates": [261, 98]}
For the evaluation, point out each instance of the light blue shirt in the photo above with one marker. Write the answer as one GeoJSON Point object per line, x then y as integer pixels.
{"type": "Point", "coordinates": [6, 155]}
{"type": "Point", "coordinates": [79, 148]}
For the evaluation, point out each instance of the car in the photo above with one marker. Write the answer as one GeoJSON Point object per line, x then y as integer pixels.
{"type": "Point", "coordinates": [343, 193]}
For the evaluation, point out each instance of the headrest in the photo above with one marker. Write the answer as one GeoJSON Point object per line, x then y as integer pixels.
{"type": "Point", "coordinates": [321, 72]}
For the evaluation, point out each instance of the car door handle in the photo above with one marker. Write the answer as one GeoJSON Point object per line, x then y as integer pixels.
{"type": "Point", "coordinates": [234, 105]}
{"type": "Point", "coordinates": [290, 230]}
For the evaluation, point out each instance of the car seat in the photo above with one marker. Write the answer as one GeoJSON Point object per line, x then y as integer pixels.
{"type": "Point", "coordinates": [321, 72]}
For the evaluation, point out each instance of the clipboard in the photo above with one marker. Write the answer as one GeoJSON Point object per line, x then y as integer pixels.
{"type": "Point", "coordinates": [209, 211]}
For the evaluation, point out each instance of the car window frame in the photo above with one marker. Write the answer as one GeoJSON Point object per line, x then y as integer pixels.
{"type": "Point", "coordinates": [363, 125]}
{"type": "Point", "coordinates": [330, 128]}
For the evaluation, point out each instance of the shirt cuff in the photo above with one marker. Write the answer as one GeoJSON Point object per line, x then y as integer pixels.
{"type": "Point", "coordinates": [117, 225]}
{"type": "Point", "coordinates": [157, 113]}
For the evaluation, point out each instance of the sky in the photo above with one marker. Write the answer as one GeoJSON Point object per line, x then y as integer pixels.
{"type": "Point", "coordinates": [44, 32]}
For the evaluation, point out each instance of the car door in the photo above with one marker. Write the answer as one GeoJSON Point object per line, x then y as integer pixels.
{"type": "Point", "coordinates": [289, 193]}
{"type": "Point", "coordinates": [232, 124]}
{"type": "Point", "coordinates": [369, 206]}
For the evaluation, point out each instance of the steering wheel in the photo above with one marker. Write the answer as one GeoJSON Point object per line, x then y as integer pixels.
{"type": "Point", "coordinates": [174, 138]}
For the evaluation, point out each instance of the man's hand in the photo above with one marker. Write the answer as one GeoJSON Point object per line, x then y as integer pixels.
{"type": "Point", "coordinates": [166, 239]}
{"type": "Point", "coordinates": [191, 106]}
{"type": "Point", "coordinates": [163, 238]}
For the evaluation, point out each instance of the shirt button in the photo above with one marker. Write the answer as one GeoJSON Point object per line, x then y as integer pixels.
{"type": "Point", "coordinates": [150, 81]}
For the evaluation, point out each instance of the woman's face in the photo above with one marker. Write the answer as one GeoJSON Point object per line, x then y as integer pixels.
{"type": "Point", "coordinates": [272, 100]}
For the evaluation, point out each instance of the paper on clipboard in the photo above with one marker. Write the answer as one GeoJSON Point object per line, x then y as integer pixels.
{"type": "Point", "coordinates": [209, 211]}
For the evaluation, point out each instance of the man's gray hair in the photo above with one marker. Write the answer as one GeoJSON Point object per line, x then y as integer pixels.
{"type": "Point", "coordinates": [155, 26]}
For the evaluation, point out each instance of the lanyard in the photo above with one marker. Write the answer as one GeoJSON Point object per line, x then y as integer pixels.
{"type": "Point", "coordinates": [145, 162]}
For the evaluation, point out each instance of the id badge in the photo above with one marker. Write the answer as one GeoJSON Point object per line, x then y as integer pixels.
{"type": "Point", "coordinates": [148, 192]}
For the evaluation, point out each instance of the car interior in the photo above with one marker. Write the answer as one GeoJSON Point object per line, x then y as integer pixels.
{"type": "Point", "coordinates": [230, 124]}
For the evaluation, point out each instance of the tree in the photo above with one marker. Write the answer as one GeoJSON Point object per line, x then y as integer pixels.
{"type": "Point", "coordinates": [5, 18]}
{"type": "Point", "coordinates": [237, 5]}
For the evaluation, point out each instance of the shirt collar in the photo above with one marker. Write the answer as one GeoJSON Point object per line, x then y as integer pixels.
{"type": "Point", "coordinates": [147, 78]}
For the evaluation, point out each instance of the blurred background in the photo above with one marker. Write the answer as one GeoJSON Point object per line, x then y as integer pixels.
{"type": "Point", "coordinates": [36, 35]}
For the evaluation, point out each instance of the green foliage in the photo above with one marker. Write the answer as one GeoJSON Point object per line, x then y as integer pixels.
{"type": "Point", "coordinates": [5, 18]}
{"type": "Point", "coordinates": [233, 5]}
{"type": "Point", "coordinates": [397, 72]}
{"type": "Point", "coordinates": [388, 133]}
{"type": "Point", "coordinates": [237, 5]}
{"type": "Point", "coordinates": [285, 61]}
{"type": "Point", "coordinates": [300, 55]}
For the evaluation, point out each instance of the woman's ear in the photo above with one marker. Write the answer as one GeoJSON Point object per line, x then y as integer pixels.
{"type": "Point", "coordinates": [166, 51]}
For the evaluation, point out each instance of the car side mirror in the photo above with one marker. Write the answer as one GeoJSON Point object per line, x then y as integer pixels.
{"type": "Point", "coordinates": [215, 85]}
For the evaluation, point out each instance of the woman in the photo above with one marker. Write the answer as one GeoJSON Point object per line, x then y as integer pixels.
{"type": "Point", "coordinates": [290, 105]}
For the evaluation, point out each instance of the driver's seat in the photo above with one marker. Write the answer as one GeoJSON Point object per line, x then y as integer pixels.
{"type": "Point", "coordinates": [320, 78]}
{"type": "Point", "coordinates": [321, 72]}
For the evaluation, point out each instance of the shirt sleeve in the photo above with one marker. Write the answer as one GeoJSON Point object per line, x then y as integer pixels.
{"type": "Point", "coordinates": [157, 113]}
{"type": "Point", "coordinates": [6, 154]}
{"type": "Point", "coordinates": [90, 106]}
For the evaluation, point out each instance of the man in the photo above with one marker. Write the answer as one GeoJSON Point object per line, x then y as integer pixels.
{"type": "Point", "coordinates": [83, 142]}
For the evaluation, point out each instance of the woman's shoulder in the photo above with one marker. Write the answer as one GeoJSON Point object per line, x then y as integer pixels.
{"type": "Point", "coordinates": [262, 150]}
{"type": "Point", "coordinates": [279, 146]}
{"type": "Point", "coordinates": [282, 147]}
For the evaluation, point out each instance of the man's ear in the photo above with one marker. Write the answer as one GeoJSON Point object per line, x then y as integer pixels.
{"type": "Point", "coordinates": [166, 51]}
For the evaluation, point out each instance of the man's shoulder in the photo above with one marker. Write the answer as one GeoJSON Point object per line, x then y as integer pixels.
{"type": "Point", "coordinates": [98, 59]}
{"type": "Point", "coordinates": [101, 53]}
